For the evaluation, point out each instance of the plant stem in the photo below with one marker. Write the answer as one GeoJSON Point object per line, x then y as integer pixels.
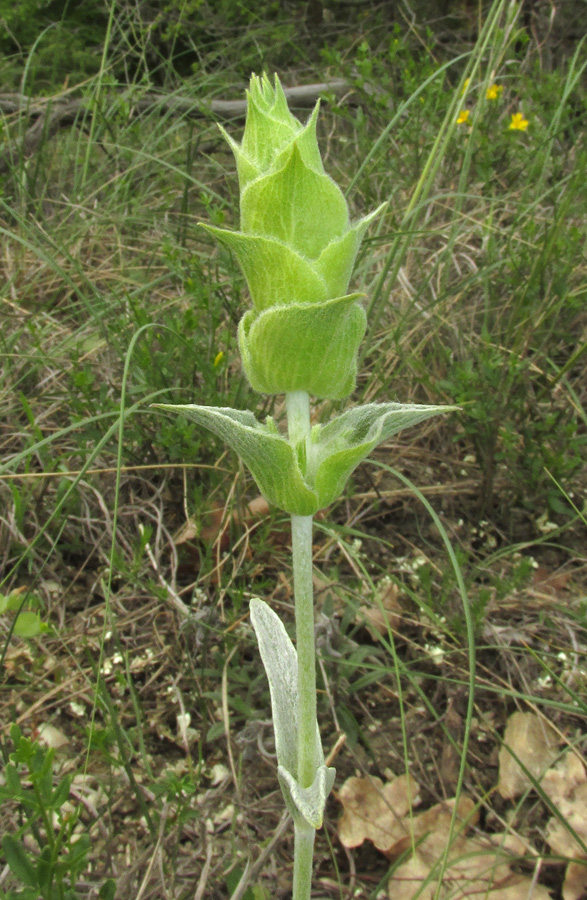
{"type": "Point", "coordinates": [298, 410]}
{"type": "Point", "coordinates": [301, 532]}
{"type": "Point", "coordinates": [303, 858]}
{"type": "Point", "coordinates": [298, 416]}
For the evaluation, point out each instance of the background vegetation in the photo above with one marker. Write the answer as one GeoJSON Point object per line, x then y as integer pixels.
{"type": "Point", "coordinates": [132, 542]}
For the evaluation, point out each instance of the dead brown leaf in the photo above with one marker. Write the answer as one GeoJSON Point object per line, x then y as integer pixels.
{"type": "Point", "coordinates": [52, 737]}
{"type": "Point", "coordinates": [436, 820]}
{"type": "Point", "coordinates": [573, 809]}
{"type": "Point", "coordinates": [534, 742]}
{"type": "Point", "coordinates": [476, 867]}
{"type": "Point", "coordinates": [385, 612]}
{"type": "Point", "coordinates": [566, 786]}
{"type": "Point", "coordinates": [552, 582]}
{"type": "Point", "coordinates": [575, 885]}
{"type": "Point", "coordinates": [561, 780]}
{"type": "Point", "coordinates": [19, 658]}
{"type": "Point", "coordinates": [374, 811]}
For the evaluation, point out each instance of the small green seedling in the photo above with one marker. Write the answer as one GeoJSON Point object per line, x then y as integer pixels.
{"type": "Point", "coordinates": [26, 623]}
{"type": "Point", "coordinates": [44, 855]}
{"type": "Point", "coordinates": [297, 248]}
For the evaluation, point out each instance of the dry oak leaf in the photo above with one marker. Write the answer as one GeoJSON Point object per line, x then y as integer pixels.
{"type": "Point", "coordinates": [52, 737]}
{"type": "Point", "coordinates": [385, 613]}
{"type": "Point", "coordinates": [574, 812]}
{"type": "Point", "coordinates": [561, 780]}
{"type": "Point", "coordinates": [566, 786]}
{"type": "Point", "coordinates": [534, 742]}
{"type": "Point", "coordinates": [374, 811]}
{"type": "Point", "coordinates": [476, 867]}
{"type": "Point", "coordinates": [575, 885]}
{"type": "Point", "coordinates": [437, 819]}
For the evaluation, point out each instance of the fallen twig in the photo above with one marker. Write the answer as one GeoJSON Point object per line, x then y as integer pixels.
{"type": "Point", "coordinates": [51, 114]}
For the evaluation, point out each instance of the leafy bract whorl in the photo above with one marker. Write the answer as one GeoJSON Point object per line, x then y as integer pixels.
{"type": "Point", "coordinates": [297, 249]}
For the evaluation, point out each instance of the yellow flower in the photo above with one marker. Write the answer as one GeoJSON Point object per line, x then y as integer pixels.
{"type": "Point", "coordinates": [465, 86]}
{"type": "Point", "coordinates": [518, 123]}
{"type": "Point", "coordinates": [493, 91]}
{"type": "Point", "coordinates": [218, 358]}
{"type": "Point", "coordinates": [463, 117]}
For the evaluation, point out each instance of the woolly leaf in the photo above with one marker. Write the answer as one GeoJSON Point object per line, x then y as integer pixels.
{"type": "Point", "coordinates": [296, 247]}
{"type": "Point", "coordinates": [276, 274]}
{"type": "Point", "coordinates": [337, 448]}
{"type": "Point", "coordinates": [295, 205]}
{"type": "Point", "coordinates": [335, 263]}
{"type": "Point", "coordinates": [300, 347]}
{"type": "Point", "coordinates": [269, 124]}
{"type": "Point", "coordinates": [281, 667]}
{"type": "Point", "coordinates": [270, 458]}
{"type": "Point", "coordinates": [307, 803]}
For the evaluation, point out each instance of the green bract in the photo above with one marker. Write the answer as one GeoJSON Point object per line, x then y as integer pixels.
{"type": "Point", "coordinates": [297, 250]}
{"type": "Point", "coordinates": [305, 478]}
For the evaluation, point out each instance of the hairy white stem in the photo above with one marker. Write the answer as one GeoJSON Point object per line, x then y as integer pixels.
{"type": "Point", "coordinates": [298, 410]}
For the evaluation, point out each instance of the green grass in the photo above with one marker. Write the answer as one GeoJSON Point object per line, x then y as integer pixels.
{"type": "Point", "coordinates": [129, 536]}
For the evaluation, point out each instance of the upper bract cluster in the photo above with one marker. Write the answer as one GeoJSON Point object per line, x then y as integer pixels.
{"type": "Point", "coordinates": [297, 248]}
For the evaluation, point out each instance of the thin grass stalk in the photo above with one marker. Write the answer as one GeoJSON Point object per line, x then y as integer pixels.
{"type": "Point", "coordinates": [415, 206]}
{"type": "Point", "coordinates": [471, 654]}
{"type": "Point", "coordinates": [496, 55]}
{"type": "Point", "coordinates": [97, 95]}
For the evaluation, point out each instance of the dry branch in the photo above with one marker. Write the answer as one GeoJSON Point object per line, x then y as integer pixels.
{"type": "Point", "coordinates": [52, 114]}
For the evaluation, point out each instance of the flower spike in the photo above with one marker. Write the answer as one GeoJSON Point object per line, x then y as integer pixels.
{"type": "Point", "coordinates": [296, 248]}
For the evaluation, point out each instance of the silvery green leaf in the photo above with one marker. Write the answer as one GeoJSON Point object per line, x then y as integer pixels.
{"type": "Point", "coordinates": [335, 263]}
{"type": "Point", "coordinates": [269, 124]}
{"type": "Point", "coordinates": [247, 168]}
{"type": "Point", "coordinates": [269, 456]}
{"type": "Point", "coordinates": [337, 448]}
{"type": "Point", "coordinates": [281, 666]}
{"type": "Point", "coordinates": [302, 486]}
{"type": "Point", "coordinates": [307, 803]}
{"type": "Point", "coordinates": [308, 347]}
{"type": "Point", "coordinates": [307, 143]}
{"type": "Point", "coordinates": [277, 276]}
{"type": "Point", "coordinates": [297, 248]}
{"type": "Point", "coordinates": [295, 205]}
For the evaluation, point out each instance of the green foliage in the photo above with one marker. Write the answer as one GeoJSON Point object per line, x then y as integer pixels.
{"type": "Point", "coordinates": [61, 854]}
{"type": "Point", "coordinates": [56, 41]}
{"type": "Point", "coordinates": [59, 43]}
{"type": "Point", "coordinates": [492, 312]}
{"type": "Point", "coordinates": [255, 892]}
{"type": "Point", "coordinates": [297, 250]}
{"type": "Point", "coordinates": [27, 622]}
{"type": "Point", "coordinates": [304, 478]}
{"type": "Point", "coordinates": [280, 660]}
